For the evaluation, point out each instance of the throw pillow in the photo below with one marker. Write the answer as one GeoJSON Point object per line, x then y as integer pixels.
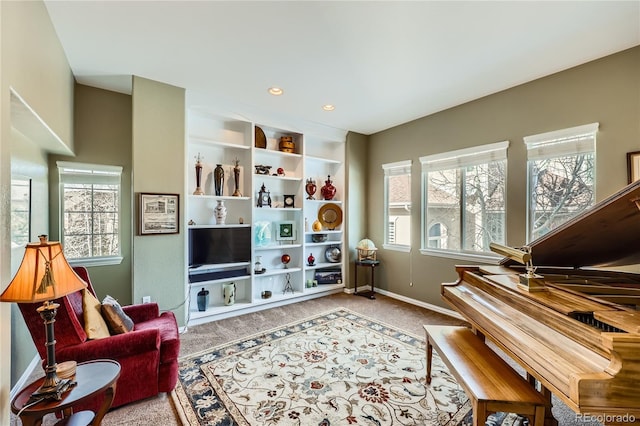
{"type": "Point", "coordinates": [94, 324]}
{"type": "Point", "coordinates": [118, 321]}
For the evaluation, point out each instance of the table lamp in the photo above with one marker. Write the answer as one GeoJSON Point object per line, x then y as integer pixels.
{"type": "Point", "coordinates": [44, 275]}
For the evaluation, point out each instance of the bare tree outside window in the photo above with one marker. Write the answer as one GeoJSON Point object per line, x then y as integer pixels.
{"type": "Point", "coordinates": [90, 211]}
{"type": "Point", "coordinates": [470, 203]}
{"type": "Point", "coordinates": [561, 188]}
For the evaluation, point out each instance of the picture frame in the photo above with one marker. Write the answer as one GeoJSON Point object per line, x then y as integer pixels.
{"type": "Point", "coordinates": [159, 214]}
{"type": "Point", "coordinates": [633, 166]}
{"type": "Point", "coordinates": [286, 230]}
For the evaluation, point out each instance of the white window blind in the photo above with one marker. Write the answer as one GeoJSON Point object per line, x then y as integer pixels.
{"type": "Point", "coordinates": [465, 157]}
{"type": "Point", "coordinates": [571, 141]}
{"type": "Point", "coordinates": [398, 168]}
{"type": "Point", "coordinates": [96, 174]}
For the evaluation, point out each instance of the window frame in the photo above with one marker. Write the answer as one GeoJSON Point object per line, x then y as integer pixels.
{"type": "Point", "coordinates": [557, 144]}
{"type": "Point", "coordinates": [398, 168]}
{"type": "Point", "coordinates": [90, 174]}
{"type": "Point", "coordinates": [454, 160]}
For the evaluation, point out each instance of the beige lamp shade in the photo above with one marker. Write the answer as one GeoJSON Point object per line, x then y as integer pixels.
{"type": "Point", "coordinates": [44, 274]}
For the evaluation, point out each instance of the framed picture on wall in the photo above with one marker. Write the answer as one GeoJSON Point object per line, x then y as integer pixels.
{"type": "Point", "coordinates": [158, 214]}
{"type": "Point", "coordinates": [633, 166]}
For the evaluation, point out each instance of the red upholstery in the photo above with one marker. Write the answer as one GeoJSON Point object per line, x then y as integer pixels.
{"type": "Point", "coordinates": [148, 355]}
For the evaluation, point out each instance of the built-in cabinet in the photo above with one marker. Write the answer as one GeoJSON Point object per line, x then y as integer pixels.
{"type": "Point", "coordinates": [264, 251]}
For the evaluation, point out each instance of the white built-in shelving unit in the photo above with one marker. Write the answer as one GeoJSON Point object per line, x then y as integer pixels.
{"type": "Point", "coordinates": [220, 140]}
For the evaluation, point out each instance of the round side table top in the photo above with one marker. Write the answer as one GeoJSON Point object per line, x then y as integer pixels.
{"type": "Point", "coordinates": [92, 377]}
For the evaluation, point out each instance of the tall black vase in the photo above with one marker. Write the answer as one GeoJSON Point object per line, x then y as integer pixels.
{"type": "Point", "coordinates": [218, 179]}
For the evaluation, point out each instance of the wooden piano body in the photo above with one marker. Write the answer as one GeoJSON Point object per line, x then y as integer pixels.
{"type": "Point", "coordinates": [580, 337]}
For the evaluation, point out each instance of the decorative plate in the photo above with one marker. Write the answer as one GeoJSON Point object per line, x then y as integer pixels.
{"type": "Point", "coordinates": [333, 254]}
{"type": "Point", "coordinates": [261, 139]}
{"type": "Point", "coordinates": [330, 216]}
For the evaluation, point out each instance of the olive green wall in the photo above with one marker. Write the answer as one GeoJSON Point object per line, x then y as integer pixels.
{"type": "Point", "coordinates": [159, 267]}
{"type": "Point", "coordinates": [102, 132]}
{"type": "Point", "coordinates": [605, 91]}
{"type": "Point", "coordinates": [356, 207]}
{"type": "Point", "coordinates": [33, 64]}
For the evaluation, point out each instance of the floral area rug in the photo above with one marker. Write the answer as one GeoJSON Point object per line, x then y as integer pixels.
{"type": "Point", "coordinates": [337, 368]}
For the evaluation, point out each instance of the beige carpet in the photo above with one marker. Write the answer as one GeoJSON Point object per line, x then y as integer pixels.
{"type": "Point", "coordinates": [161, 411]}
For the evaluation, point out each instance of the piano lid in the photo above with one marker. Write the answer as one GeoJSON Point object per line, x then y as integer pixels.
{"type": "Point", "coordinates": [607, 234]}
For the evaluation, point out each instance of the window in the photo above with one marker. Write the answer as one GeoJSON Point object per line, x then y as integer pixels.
{"type": "Point", "coordinates": [397, 205]}
{"type": "Point", "coordinates": [464, 195]}
{"type": "Point", "coordinates": [20, 211]}
{"type": "Point", "coordinates": [561, 177]}
{"type": "Point", "coordinates": [90, 212]}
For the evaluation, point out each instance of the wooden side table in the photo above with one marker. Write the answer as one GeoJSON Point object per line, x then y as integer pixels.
{"type": "Point", "coordinates": [92, 377]}
{"type": "Point", "coordinates": [368, 264]}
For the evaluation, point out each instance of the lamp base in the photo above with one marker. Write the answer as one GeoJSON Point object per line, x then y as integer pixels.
{"type": "Point", "coordinates": [52, 390]}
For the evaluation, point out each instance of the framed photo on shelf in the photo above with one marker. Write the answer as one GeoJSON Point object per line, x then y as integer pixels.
{"type": "Point", "coordinates": [158, 214]}
{"type": "Point", "coordinates": [633, 166]}
{"type": "Point", "coordinates": [286, 230]}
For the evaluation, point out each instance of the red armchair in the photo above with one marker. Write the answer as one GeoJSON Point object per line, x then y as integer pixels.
{"type": "Point", "coordinates": [148, 355]}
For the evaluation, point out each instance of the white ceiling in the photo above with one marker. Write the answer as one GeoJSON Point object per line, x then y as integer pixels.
{"type": "Point", "coordinates": [381, 63]}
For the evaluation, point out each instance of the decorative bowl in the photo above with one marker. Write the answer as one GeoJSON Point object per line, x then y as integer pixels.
{"type": "Point", "coordinates": [319, 238]}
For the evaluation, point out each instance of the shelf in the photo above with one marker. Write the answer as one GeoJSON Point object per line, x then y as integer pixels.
{"type": "Point", "coordinates": [257, 177]}
{"type": "Point", "coordinates": [277, 296]}
{"type": "Point", "coordinates": [278, 247]}
{"type": "Point", "coordinates": [339, 231]}
{"type": "Point", "coordinates": [226, 225]}
{"type": "Point", "coordinates": [322, 287]}
{"type": "Point", "coordinates": [323, 201]}
{"type": "Point", "coordinates": [323, 265]}
{"type": "Point", "coordinates": [219, 197]}
{"type": "Point", "coordinates": [274, 153]}
{"type": "Point", "coordinates": [272, 272]}
{"type": "Point", "coordinates": [202, 140]}
{"type": "Point", "coordinates": [278, 209]}
{"type": "Point", "coordinates": [322, 160]}
{"type": "Point", "coordinates": [324, 244]}
{"type": "Point", "coordinates": [216, 310]}
{"type": "Point", "coordinates": [219, 281]}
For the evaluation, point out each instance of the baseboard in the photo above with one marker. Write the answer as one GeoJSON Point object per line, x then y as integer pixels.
{"type": "Point", "coordinates": [420, 303]}
{"type": "Point", "coordinates": [23, 381]}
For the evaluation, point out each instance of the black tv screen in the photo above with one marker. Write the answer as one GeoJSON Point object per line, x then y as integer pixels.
{"type": "Point", "coordinates": [208, 246]}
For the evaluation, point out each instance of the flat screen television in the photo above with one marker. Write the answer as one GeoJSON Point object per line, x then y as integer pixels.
{"type": "Point", "coordinates": [210, 246]}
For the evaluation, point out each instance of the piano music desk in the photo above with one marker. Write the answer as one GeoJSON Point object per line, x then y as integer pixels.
{"type": "Point", "coordinates": [489, 382]}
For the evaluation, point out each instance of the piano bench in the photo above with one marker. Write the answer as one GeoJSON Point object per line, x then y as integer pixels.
{"type": "Point", "coordinates": [491, 384]}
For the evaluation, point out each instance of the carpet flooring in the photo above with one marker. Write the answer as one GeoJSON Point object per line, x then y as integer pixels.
{"type": "Point", "coordinates": [335, 368]}
{"type": "Point", "coordinates": [160, 410]}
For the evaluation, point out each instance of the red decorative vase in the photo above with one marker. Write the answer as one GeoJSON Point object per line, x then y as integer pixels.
{"type": "Point", "coordinates": [328, 191]}
{"type": "Point", "coordinates": [311, 260]}
{"type": "Point", "coordinates": [310, 187]}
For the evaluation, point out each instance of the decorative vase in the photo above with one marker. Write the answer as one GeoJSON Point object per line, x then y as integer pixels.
{"type": "Point", "coordinates": [203, 300]}
{"type": "Point", "coordinates": [236, 177]}
{"type": "Point", "coordinates": [198, 190]}
{"type": "Point", "coordinates": [311, 260]}
{"type": "Point", "coordinates": [311, 188]}
{"type": "Point", "coordinates": [229, 293]}
{"type": "Point", "coordinates": [328, 191]}
{"type": "Point", "coordinates": [218, 179]}
{"type": "Point", "coordinates": [220, 212]}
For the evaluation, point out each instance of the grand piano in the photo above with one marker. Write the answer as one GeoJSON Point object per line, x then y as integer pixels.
{"type": "Point", "coordinates": [563, 309]}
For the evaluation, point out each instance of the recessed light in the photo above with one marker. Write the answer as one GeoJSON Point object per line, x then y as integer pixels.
{"type": "Point", "coordinates": [328, 107]}
{"type": "Point", "coordinates": [276, 91]}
